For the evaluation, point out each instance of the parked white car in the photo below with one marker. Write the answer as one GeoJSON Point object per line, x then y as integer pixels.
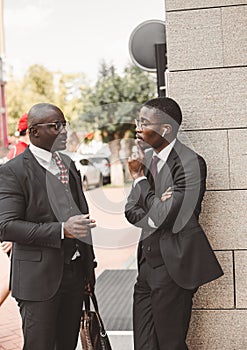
{"type": "Point", "coordinates": [102, 163]}
{"type": "Point", "coordinates": [90, 175]}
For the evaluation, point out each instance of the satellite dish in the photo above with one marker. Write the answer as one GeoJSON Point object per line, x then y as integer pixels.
{"type": "Point", "coordinates": [142, 43]}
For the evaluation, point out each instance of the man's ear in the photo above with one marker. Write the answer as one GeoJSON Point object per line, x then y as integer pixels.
{"type": "Point", "coordinates": [167, 129]}
{"type": "Point", "coordinates": [33, 131]}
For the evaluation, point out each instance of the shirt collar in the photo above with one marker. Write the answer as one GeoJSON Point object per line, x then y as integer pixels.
{"type": "Point", "coordinates": [164, 153]}
{"type": "Point", "coordinates": [40, 153]}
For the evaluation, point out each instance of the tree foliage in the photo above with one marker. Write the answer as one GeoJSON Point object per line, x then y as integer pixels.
{"type": "Point", "coordinates": [116, 99]}
{"type": "Point", "coordinates": [38, 83]}
{"type": "Point", "coordinates": [72, 93]}
{"type": "Point", "coordinates": [14, 103]}
{"type": "Point", "coordinates": [68, 91]}
{"type": "Point", "coordinates": [110, 105]}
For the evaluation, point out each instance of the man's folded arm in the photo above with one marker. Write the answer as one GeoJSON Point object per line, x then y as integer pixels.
{"type": "Point", "coordinates": [134, 213]}
{"type": "Point", "coordinates": [188, 190]}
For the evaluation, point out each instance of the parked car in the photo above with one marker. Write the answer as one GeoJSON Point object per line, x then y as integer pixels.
{"type": "Point", "coordinates": [103, 164]}
{"type": "Point", "coordinates": [90, 175]}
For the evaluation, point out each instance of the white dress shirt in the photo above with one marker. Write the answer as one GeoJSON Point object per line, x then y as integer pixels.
{"type": "Point", "coordinates": [44, 158]}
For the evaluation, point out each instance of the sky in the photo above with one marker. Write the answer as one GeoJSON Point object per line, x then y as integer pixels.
{"type": "Point", "coordinates": [73, 36]}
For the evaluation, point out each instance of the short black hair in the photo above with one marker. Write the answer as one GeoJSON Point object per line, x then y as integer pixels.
{"type": "Point", "coordinates": [167, 109]}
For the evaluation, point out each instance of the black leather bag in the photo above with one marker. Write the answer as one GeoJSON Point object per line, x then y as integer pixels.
{"type": "Point", "coordinates": [92, 332]}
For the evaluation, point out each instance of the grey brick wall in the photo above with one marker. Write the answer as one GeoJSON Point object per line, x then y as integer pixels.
{"type": "Point", "coordinates": [207, 75]}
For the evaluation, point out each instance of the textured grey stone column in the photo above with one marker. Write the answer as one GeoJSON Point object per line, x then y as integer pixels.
{"type": "Point", "coordinates": [207, 75]}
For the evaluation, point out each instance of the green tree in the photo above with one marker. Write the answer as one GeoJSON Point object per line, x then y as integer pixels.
{"type": "Point", "coordinates": [14, 102]}
{"type": "Point", "coordinates": [38, 85]}
{"type": "Point", "coordinates": [116, 99]}
{"type": "Point", "coordinates": [138, 86]}
{"type": "Point", "coordinates": [69, 91]}
{"type": "Point", "coordinates": [115, 102]}
{"type": "Point", "coordinates": [72, 94]}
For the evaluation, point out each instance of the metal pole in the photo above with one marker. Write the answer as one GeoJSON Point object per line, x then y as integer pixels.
{"type": "Point", "coordinates": [160, 57]}
{"type": "Point", "coordinates": [2, 41]}
{"type": "Point", "coordinates": [3, 118]}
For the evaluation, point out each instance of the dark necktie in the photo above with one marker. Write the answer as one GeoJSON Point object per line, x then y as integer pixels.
{"type": "Point", "coordinates": [63, 175]}
{"type": "Point", "coordinates": [154, 169]}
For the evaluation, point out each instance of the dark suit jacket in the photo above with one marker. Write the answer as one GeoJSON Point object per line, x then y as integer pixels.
{"type": "Point", "coordinates": [184, 247]}
{"type": "Point", "coordinates": [27, 218]}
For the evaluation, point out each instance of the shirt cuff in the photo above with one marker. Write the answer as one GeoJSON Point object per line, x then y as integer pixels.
{"type": "Point", "coordinates": [139, 179]}
{"type": "Point", "coordinates": [62, 231]}
{"type": "Point", "coordinates": [151, 223]}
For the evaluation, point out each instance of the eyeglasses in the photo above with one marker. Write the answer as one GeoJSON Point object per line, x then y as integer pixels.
{"type": "Point", "coordinates": [58, 125]}
{"type": "Point", "coordinates": [143, 125]}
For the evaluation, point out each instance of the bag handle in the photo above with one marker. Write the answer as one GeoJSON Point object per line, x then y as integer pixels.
{"type": "Point", "coordinates": [92, 296]}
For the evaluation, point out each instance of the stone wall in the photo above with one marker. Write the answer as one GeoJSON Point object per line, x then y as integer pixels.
{"type": "Point", "coordinates": [207, 75]}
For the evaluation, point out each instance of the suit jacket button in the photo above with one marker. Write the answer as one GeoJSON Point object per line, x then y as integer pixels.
{"type": "Point", "coordinates": [149, 249]}
{"type": "Point", "coordinates": [142, 246]}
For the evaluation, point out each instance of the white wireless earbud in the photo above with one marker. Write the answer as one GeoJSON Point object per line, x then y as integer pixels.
{"type": "Point", "coordinates": [164, 132]}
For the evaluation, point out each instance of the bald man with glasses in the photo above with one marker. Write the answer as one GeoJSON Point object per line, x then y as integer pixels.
{"type": "Point", "coordinates": [43, 211]}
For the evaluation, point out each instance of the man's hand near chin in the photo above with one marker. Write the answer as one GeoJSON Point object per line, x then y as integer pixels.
{"type": "Point", "coordinates": [136, 162]}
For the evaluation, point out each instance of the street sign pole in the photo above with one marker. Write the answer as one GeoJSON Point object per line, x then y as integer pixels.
{"type": "Point", "coordinates": [147, 47]}
{"type": "Point", "coordinates": [160, 56]}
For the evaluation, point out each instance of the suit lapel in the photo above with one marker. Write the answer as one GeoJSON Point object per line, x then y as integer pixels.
{"type": "Point", "coordinates": [76, 175]}
{"type": "Point", "coordinates": [148, 158]}
{"type": "Point", "coordinates": [33, 167]}
{"type": "Point", "coordinates": [39, 172]}
{"type": "Point", "coordinates": [147, 171]}
{"type": "Point", "coordinates": [43, 180]}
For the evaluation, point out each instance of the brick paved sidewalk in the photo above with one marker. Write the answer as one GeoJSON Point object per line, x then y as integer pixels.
{"type": "Point", "coordinates": [10, 321]}
{"type": "Point", "coordinates": [10, 326]}
{"type": "Point", "coordinates": [120, 257]}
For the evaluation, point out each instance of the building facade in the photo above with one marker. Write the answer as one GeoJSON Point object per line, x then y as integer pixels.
{"type": "Point", "coordinates": [207, 75]}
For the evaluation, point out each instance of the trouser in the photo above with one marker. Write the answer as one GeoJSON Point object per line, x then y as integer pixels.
{"type": "Point", "coordinates": [161, 311]}
{"type": "Point", "coordinates": [54, 324]}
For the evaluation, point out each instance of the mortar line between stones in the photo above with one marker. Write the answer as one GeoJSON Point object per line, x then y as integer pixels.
{"type": "Point", "coordinates": [234, 280]}
{"type": "Point", "coordinates": [207, 68]}
{"type": "Point", "coordinates": [229, 159]}
{"type": "Point", "coordinates": [205, 8]}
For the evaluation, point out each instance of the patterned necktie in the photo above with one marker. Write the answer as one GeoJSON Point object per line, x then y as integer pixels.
{"type": "Point", "coordinates": [154, 170]}
{"type": "Point", "coordinates": [63, 172]}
